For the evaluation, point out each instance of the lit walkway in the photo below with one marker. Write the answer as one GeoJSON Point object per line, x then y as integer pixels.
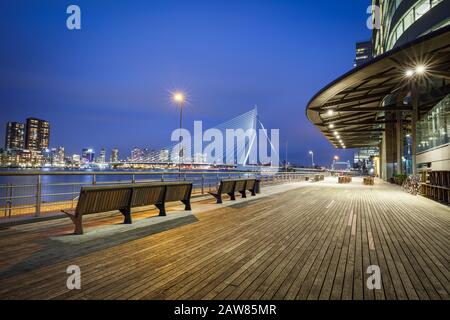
{"type": "Point", "coordinates": [312, 242]}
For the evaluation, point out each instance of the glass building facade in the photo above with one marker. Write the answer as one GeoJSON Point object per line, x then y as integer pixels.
{"type": "Point", "coordinates": [403, 20]}
{"type": "Point", "coordinates": [433, 130]}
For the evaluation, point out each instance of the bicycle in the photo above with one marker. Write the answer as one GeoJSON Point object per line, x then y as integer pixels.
{"type": "Point", "coordinates": [412, 184]}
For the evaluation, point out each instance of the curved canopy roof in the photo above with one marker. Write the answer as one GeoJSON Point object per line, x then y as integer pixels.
{"type": "Point", "coordinates": [353, 104]}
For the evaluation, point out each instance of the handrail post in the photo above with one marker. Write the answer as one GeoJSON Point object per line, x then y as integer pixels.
{"type": "Point", "coordinates": [9, 192]}
{"type": "Point", "coordinates": [162, 177]}
{"type": "Point", "coordinates": [203, 183]}
{"type": "Point", "coordinates": [133, 178]}
{"type": "Point", "coordinates": [73, 191]}
{"type": "Point", "coordinates": [38, 196]}
{"type": "Point", "coordinates": [94, 179]}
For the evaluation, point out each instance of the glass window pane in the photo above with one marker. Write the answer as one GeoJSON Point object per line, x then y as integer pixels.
{"type": "Point", "coordinates": [409, 19]}
{"type": "Point", "coordinates": [434, 3]}
{"type": "Point", "coordinates": [422, 8]}
{"type": "Point", "coordinates": [434, 129]}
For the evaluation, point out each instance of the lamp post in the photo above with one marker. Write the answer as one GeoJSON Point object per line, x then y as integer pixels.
{"type": "Point", "coordinates": [335, 159]}
{"type": "Point", "coordinates": [178, 98]}
{"type": "Point", "coordinates": [286, 157]}
{"type": "Point", "coordinates": [414, 76]}
{"type": "Point", "coordinates": [312, 158]}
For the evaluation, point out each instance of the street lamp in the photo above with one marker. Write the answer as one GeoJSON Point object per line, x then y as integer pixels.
{"type": "Point", "coordinates": [312, 157]}
{"type": "Point", "coordinates": [178, 98]}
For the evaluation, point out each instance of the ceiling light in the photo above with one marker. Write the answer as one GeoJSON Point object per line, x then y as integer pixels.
{"type": "Point", "coordinates": [409, 73]}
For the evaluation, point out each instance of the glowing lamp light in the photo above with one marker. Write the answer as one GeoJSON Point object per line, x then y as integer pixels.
{"type": "Point", "coordinates": [178, 97]}
{"type": "Point", "coordinates": [409, 73]}
{"type": "Point", "coordinates": [331, 126]}
{"type": "Point", "coordinates": [420, 69]}
{"type": "Point", "coordinates": [330, 112]}
{"type": "Point", "coordinates": [335, 133]}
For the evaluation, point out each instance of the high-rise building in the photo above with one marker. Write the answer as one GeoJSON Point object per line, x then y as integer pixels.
{"type": "Point", "coordinates": [37, 134]}
{"type": "Point", "coordinates": [164, 155]}
{"type": "Point", "coordinates": [15, 135]}
{"type": "Point", "coordinates": [114, 156]}
{"type": "Point", "coordinates": [60, 155]}
{"type": "Point", "coordinates": [54, 156]}
{"type": "Point", "coordinates": [136, 155]}
{"type": "Point", "coordinates": [76, 158]}
{"type": "Point", "coordinates": [102, 157]}
{"type": "Point", "coordinates": [87, 155]}
{"type": "Point", "coordinates": [363, 53]}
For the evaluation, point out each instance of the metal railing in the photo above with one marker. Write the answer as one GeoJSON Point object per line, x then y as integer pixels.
{"type": "Point", "coordinates": [28, 194]}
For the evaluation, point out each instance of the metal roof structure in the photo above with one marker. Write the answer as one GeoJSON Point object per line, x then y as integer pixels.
{"type": "Point", "coordinates": [355, 105]}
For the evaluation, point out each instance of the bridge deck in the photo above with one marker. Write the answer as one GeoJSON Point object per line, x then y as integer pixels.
{"type": "Point", "coordinates": [314, 242]}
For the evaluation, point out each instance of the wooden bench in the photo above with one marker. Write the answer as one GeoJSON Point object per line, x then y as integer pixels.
{"type": "Point", "coordinates": [318, 177]}
{"type": "Point", "coordinates": [344, 179]}
{"type": "Point", "coordinates": [231, 186]}
{"type": "Point", "coordinates": [368, 181]}
{"type": "Point", "coordinates": [124, 197]}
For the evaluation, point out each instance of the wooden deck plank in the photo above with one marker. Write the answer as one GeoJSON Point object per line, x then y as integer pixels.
{"type": "Point", "coordinates": [314, 242]}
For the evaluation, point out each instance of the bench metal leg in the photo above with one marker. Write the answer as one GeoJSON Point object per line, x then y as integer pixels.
{"type": "Point", "coordinates": [162, 209]}
{"type": "Point", "coordinates": [217, 196]}
{"type": "Point", "coordinates": [243, 194]}
{"type": "Point", "coordinates": [77, 221]}
{"type": "Point", "coordinates": [232, 196]}
{"type": "Point", "coordinates": [127, 216]}
{"type": "Point", "coordinates": [79, 225]}
{"type": "Point", "coordinates": [187, 204]}
{"type": "Point", "coordinates": [253, 192]}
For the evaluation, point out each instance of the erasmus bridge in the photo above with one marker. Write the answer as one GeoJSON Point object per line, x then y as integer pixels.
{"type": "Point", "coordinates": [232, 154]}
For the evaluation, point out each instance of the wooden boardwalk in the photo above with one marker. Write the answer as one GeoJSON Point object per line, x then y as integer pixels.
{"type": "Point", "coordinates": [315, 242]}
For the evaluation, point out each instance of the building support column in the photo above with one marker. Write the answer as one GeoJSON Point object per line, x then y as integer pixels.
{"type": "Point", "coordinates": [414, 119]}
{"type": "Point", "coordinates": [399, 142]}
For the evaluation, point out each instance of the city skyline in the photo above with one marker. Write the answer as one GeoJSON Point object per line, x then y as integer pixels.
{"type": "Point", "coordinates": [115, 94]}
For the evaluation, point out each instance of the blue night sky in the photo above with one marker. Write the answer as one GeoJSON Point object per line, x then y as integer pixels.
{"type": "Point", "coordinates": [108, 84]}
